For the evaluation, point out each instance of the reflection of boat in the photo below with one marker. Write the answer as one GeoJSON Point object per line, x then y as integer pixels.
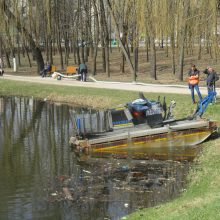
{"type": "Point", "coordinates": [140, 126]}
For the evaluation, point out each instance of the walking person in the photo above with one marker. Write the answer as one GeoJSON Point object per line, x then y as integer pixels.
{"type": "Point", "coordinates": [83, 72]}
{"type": "Point", "coordinates": [193, 78]}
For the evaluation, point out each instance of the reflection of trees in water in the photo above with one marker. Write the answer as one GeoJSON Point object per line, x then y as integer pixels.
{"type": "Point", "coordinates": [1, 105]}
{"type": "Point", "coordinates": [34, 141]}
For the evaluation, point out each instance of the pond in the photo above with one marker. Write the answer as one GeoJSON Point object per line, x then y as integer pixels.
{"type": "Point", "coordinates": [41, 177]}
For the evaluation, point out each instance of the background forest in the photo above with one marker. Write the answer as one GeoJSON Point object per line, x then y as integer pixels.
{"type": "Point", "coordinates": [126, 38]}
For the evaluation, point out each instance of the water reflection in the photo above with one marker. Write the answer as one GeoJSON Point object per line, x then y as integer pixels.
{"type": "Point", "coordinates": [38, 170]}
{"type": "Point", "coordinates": [1, 105]}
{"type": "Point", "coordinates": [146, 152]}
{"type": "Point", "coordinates": [33, 152]}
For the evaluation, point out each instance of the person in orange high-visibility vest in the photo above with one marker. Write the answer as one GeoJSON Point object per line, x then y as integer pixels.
{"type": "Point", "coordinates": [193, 79]}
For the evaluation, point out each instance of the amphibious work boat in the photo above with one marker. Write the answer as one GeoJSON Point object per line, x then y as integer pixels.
{"type": "Point", "coordinates": [138, 126]}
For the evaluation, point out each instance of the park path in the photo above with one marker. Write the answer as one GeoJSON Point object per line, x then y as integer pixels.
{"type": "Point", "coordinates": [143, 87]}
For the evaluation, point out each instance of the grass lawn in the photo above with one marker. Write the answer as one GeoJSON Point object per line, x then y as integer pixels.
{"type": "Point", "coordinates": [201, 200]}
{"type": "Point", "coordinates": [82, 96]}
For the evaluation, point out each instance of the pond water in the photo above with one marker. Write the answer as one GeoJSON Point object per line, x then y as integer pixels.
{"type": "Point", "coordinates": [41, 178]}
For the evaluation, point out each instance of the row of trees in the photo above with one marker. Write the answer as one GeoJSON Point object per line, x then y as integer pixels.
{"type": "Point", "coordinates": [85, 28]}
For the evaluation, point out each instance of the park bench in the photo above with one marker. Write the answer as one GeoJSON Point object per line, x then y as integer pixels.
{"type": "Point", "coordinates": [71, 70]}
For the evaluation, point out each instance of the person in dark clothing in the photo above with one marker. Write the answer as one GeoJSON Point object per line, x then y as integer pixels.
{"type": "Point", "coordinates": [193, 78]}
{"type": "Point", "coordinates": [1, 67]}
{"type": "Point", "coordinates": [212, 77]}
{"type": "Point", "coordinates": [1, 71]}
{"type": "Point", "coordinates": [1, 63]}
{"type": "Point", "coordinates": [46, 70]}
{"type": "Point", "coordinates": [82, 71]}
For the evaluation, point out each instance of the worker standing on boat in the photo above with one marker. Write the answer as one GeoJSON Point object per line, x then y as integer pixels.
{"type": "Point", "coordinates": [193, 78]}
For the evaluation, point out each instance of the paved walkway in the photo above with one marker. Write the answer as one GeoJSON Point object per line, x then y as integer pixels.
{"type": "Point", "coordinates": [157, 88]}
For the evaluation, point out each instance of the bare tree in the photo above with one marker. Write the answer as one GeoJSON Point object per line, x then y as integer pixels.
{"type": "Point", "coordinates": [119, 39]}
{"type": "Point", "coordinates": [183, 33]}
{"type": "Point", "coordinates": [16, 21]}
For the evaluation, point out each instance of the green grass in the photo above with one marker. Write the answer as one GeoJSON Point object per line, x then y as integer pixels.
{"type": "Point", "coordinates": [97, 98]}
{"type": "Point", "coordinates": [92, 97]}
{"type": "Point", "coordinates": [202, 197]}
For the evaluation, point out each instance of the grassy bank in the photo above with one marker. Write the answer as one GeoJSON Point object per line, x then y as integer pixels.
{"type": "Point", "coordinates": [82, 96]}
{"type": "Point", "coordinates": [201, 201]}
{"type": "Point", "coordinates": [202, 197]}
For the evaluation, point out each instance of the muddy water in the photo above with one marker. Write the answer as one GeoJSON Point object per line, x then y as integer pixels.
{"type": "Point", "coordinates": [41, 178]}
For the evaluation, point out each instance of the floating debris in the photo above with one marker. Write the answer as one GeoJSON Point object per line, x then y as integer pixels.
{"type": "Point", "coordinates": [53, 194]}
{"type": "Point", "coordinates": [86, 171]}
{"type": "Point", "coordinates": [67, 193]}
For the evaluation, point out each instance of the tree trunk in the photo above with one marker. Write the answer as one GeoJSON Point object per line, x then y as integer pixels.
{"type": "Point", "coordinates": [29, 60]}
{"type": "Point", "coordinates": [183, 30]}
{"type": "Point", "coordinates": [122, 66]}
{"type": "Point", "coordinates": [16, 21]}
{"type": "Point", "coordinates": [105, 37]}
{"type": "Point", "coordinates": [1, 47]}
{"type": "Point", "coordinates": [7, 56]}
{"type": "Point", "coordinates": [200, 49]}
{"type": "Point", "coordinates": [173, 53]}
{"type": "Point", "coordinates": [153, 72]}
{"type": "Point", "coordinates": [60, 50]}
{"type": "Point", "coordinates": [96, 37]}
{"type": "Point", "coordinates": [119, 40]}
{"type": "Point", "coordinates": [136, 59]}
{"type": "Point", "coordinates": [18, 50]}
{"type": "Point", "coordinates": [147, 48]}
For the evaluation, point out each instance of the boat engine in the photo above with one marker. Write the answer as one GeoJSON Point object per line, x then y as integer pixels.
{"type": "Point", "coordinates": [145, 111]}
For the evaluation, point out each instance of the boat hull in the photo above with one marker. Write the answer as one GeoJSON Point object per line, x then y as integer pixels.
{"type": "Point", "coordinates": [138, 143]}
